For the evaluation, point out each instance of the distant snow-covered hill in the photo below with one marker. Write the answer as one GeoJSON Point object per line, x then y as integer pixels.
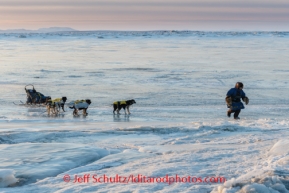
{"type": "Point", "coordinates": [41, 30]}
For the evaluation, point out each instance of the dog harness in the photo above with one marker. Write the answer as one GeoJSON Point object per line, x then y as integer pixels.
{"type": "Point", "coordinates": [119, 103]}
{"type": "Point", "coordinates": [79, 101]}
{"type": "Point", "coordinates": [57, 100]}
{"type": "Point", "coordinates": [52, 102]}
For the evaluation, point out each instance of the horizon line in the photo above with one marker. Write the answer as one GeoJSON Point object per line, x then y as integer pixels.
{"type": "Point", "coordinates": [129, 30]}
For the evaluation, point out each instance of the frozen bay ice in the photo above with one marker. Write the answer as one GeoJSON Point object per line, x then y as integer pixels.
{"type": "Point", "coordinates": [178, 126]}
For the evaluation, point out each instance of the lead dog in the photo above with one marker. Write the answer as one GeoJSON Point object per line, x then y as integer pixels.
{"type": "Point", "coordinates": [80, 105]}
{"type": "Point", "coordinates": [118, 105]}
{"type": "Point", "coordinates": [55, 105]}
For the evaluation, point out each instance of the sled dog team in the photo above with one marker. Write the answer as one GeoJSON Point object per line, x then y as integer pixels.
{"type": "Point", "coordinates": [233, 101]}
{"type": "Point", "coordinates": [54, 106]}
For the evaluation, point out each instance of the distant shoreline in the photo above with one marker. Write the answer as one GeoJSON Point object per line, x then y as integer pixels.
{"type": "Point", "coordinates": [68, 29]}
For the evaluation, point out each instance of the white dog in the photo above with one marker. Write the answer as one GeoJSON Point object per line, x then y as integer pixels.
{"type": "Point", "coordinates": [80, 105]}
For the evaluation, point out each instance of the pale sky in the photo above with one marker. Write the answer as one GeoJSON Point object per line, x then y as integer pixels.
{"type": "Point", "coordinates": [218, 15]}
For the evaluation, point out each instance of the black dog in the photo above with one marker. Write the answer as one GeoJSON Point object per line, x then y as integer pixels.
{"type": "Point", "coordinates": [118, 105]}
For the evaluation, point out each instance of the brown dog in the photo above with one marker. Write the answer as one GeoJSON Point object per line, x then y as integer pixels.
{"type": "Point", "coordinates": [54, 106]}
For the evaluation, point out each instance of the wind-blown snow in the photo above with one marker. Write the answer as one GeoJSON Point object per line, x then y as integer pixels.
{"type": "Point", "coordinates": [7, 178]}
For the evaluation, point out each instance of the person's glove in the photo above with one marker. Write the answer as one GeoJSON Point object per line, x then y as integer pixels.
{"type": "Point", "coordinates": [246, 100]}
{"type": "Point", "coordinates": [228, 101]}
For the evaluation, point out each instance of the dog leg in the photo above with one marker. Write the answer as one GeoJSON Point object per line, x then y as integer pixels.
{"type": "Point", "coordinates": [84, 112]}
{"type": "Point", "coordinates": [114, 109]}
{"type": "Point", "coordinates": [57, 109]}
{"type": "Point", "coordinates": [53, 110]}
{"type": "Point", "coordinates": [118, 107]}
{"type": "Point", "coordinates": [62, 105]}
{"type": "Point", "coordinates": [75, 112]}
{"type": "Point", "coordinates": [128, 110]}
